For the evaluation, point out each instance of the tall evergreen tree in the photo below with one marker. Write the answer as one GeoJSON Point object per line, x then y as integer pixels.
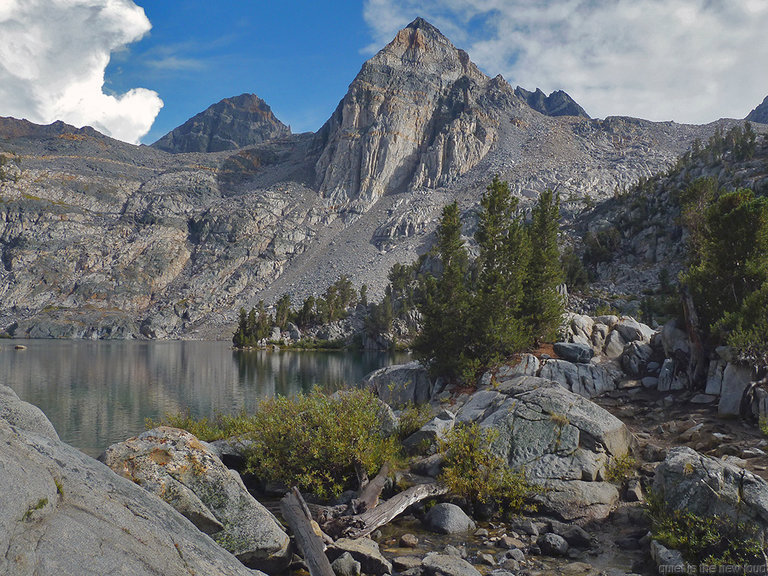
{"type": "Point", "coordinates": [543, 306]}
{"type": "Point", "coordinates": [283, 311]}
{"type": "Point", "coordinates": [445, 302]}
{"type": "Point", "coordinates": [497, 327]}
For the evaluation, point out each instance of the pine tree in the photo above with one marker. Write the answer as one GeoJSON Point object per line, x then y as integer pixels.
{"type": "Point", "coordinates": [283, 311]}
{"type": "Point", "coordinates": [445, 302]}
{"type": "Point", "coordinates": [497, 327]}
{"type": "Point", "coordinates": [240, 337]}
{"type": "Point", "coordinates": [543, 305]}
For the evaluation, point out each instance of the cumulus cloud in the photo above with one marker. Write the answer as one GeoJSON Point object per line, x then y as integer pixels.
{"type": "Point", "coordinates": [53, 54]}
{"type": "Point", "coordinates": [687, 60]}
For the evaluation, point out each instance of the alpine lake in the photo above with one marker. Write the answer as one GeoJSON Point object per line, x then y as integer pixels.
{"type": "Point", "coordinates": [100, 392]}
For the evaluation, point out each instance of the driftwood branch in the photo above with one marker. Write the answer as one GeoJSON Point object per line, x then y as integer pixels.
{"type": "Point", "coordinates": [369, 495]}
{"type": "Point", "coordinates": [306, 533]}
{"type": "Point", "coordinates": [363, 524]}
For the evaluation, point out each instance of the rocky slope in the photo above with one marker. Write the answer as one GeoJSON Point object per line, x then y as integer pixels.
{"type": "Point", "coordinates": [760, 114]}
{"type": "Point", "coordinates": [230, 124]}
{"type": "Point", "coordinates": [101, 239]}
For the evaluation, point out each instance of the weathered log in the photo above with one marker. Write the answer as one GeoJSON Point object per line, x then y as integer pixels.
{"type": "Point", "coordinates": [369, 496]}
{"type": "Point", "coordinates": [697, 365]}
{"type": "Point", "coordinates": [363, 524]}
{"type": "Point", "coordinates": [308, 540]}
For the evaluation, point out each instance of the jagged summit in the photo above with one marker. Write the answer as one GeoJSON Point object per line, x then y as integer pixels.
{"type": "Point", "coordinates": [759, 114]}
{"type": "Point", "coordinates": [229, 124]}
{"type": "Point", "coordinates": [558, 103]}
{"type": "Point", "coordinates": [419, 114]}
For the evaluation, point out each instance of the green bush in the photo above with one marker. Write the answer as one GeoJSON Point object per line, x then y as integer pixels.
{"type": "Point", "coordinates": [712, 540]}
{"type": "Point", "coordinates": [412, 418]}
{"type": "Point", "coordinates": [620, 469]}
{"type": "Point", "coordinates": [475, 474]}
{"type": "Point", "coordinates": [206, 429]}
{"type": "Point", "coordinates": [314, 440]}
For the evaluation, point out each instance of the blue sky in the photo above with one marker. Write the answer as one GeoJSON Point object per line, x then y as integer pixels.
{"type": "Point", "coordinates": [135, 69]}
{"type": "Point", "coordinates": [297, 56]}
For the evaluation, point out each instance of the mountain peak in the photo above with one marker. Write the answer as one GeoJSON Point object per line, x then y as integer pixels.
{"type": "Point", "coordinates": [558, 103]}
{"type": "Point", "coordinates": [420, 24]}
{"type": "Point", "coordinates": [229, 124]}
{"type": "Point", "coordinates": [759, 114]}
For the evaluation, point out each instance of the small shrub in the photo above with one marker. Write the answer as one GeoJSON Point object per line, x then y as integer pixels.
{"type": "Point", "coordinates": [314, 440]}
{"type": "Point", "coordinates": [620, 469]}
{"type": "Point", "coordinates": [475, 474]}
{"type": "Point", "coordinates": [413, 417]}
{"type": "Point", "coordinates": [763, 425]}
{"type": "Point", "coordinates": [560, 419]}
{"type": "Point", "coordinates": [37, 506]}
{"type": "Point", "coordinates": [712, 540]}
{"type": "Point", "coordinates": [206, 429]}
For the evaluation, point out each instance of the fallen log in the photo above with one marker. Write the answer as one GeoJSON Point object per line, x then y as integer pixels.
{"type": "Point", "coordinates": [363, 524]}
{"type": "Point", "coordinates": [309, 541]}
{"type": "Point", "coordinates": [369, 495]}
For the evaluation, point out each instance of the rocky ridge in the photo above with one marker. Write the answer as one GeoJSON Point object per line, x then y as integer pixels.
{"type": "Point", "coordinates": [230, 124]}
{"type": "Point", "coordinates": [760, 113]}
{"type": "Point", "coordinates": [101, 239]}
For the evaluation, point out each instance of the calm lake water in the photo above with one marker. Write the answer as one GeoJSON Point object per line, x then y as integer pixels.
{"type": "Point", "coordinates": [97, 393]}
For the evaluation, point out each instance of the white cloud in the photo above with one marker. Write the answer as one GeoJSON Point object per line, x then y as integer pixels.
{"type": "Point", "coordinates": [53, 54]}
{"type": "Point", "coordinates": [683, 60]}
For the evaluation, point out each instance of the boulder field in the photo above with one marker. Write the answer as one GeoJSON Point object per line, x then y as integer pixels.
{"type": "Point", "coordinates": [570, 419]}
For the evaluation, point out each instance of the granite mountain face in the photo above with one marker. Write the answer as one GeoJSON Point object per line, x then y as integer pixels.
{"type": "Point", "coordinates": [102, 239]}
{"type": "Point", "coordinates": [230, 124]}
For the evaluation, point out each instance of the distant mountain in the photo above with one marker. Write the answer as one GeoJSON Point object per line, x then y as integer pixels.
{"type": "Point", "coordinates": [558, 103]}
{"type": "Point", "coordinates": [759, 114]}
{"type": "Point", "coordinates": [104, 239]}
{"type": "Point", "coordinates": [230, 124]}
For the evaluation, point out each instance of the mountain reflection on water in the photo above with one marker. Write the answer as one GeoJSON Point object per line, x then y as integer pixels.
{"type": "Point", "coordinates": [101, 392]}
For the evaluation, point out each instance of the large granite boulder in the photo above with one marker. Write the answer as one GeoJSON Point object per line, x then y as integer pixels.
{"type": "Point", "coordinates": [24, 415]}
{"type": "Point", "coordinates": [705, 486]}
{"type": "Point", "coordinates": [588, 380]}
{"type": "Point", "coordinates": [62, 512]}
{"type": "Point", "coordinates": [363, 550]}
{"type": "Point", "coordinates": [177, 467]}
{"type": "Point", "coordinates": [401, 384]}
{"type": "Point", "coordinates": [557, 437]}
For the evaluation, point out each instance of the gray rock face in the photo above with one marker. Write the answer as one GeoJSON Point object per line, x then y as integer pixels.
{"type": "Point", "coordinates": [61, 512]}
{"type": "Point", "coordinates": [230, 124]}
{"type": "Point", "coordinates": [24, 415]}
{"type": "Point", "coordinates": [175, 466]}
{"type": "Point", "coordinates": [553, 545]}
{"type": "Point", "coordinates": [705, 486]}
{"type": "Point", "coordinates": [559, 438]}
{"type": "Point", "coordinates": [558, 103]}
{"type": "Point", "coordinates": [574, 352]}
{"type": "Point", "coordinates": [635, 358]}
{"type": "Point", "coordinates": [401, 384]}
{"type": "Point", "coordinates": [434, 430]}
{"type": "Point", "coordinates": [346, 565]}
{"type": "Point", "coordinates": [588, 380]}
{"type": "Point", "coordinates": [736, 379]}
{"type": "Point", "coordinates": [448, 565]}
{"type": "Point", "coordinates": [363, 550]}
{"type": "Point", "coordinates": [759, 114]}
{"type": "Point", "coordinates": [390, 138]}
{"type": "Point", "coordinates": [448, 518]}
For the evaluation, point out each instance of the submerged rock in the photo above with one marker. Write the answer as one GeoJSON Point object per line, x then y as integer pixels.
{"type": "Point", "coordinates": [178, 468]}
{"type": "Point", "coordinates": [448, 518]}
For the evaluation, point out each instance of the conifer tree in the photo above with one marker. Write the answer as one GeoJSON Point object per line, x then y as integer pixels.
{"type": "Point", "coordinates": [497, 327]}
{"type": "Point", "coordinates": [445, 304]}
{"type": "Point", "coordinates": [283, 311]}
{"type": "Point", "coordinates": [543, 306]}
